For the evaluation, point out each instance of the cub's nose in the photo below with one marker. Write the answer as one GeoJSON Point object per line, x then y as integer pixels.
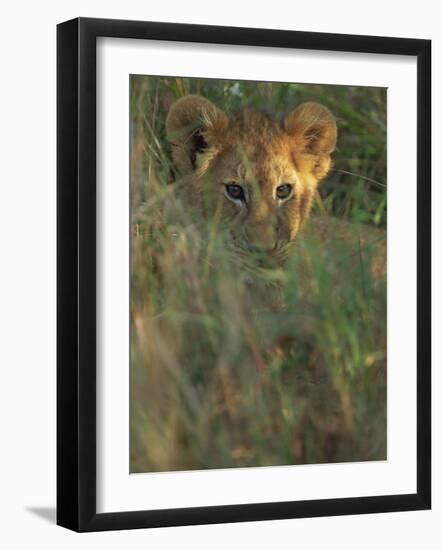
{"type": "Point", "coordinates": [260, 238]}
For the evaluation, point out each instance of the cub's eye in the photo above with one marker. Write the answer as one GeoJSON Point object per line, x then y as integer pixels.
{"type": "Point", "coordinates": [284, 191]}
{"type": "Point", "coordinates": [235, 191]}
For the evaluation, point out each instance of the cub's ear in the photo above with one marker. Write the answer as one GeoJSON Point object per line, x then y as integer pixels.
{"type": "Point", "coordinates": [193, 125]}
{"type": "Point", "coordinates": [314, 133]}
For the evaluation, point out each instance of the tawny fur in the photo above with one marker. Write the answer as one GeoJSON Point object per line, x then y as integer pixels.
{"type": "Point", "coordinates": [259, 153]}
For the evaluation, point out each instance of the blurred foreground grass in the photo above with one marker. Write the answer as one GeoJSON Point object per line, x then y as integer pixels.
{"type": "Point", "coordinates": [219, 378]}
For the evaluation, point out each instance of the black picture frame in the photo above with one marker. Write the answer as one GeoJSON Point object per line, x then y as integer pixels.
{"type": "Point", "coordinates": [77, 287]}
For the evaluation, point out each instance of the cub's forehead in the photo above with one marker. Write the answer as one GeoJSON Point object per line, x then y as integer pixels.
{"type": "Point", "coordinates": [253, 146]}
{"type": "Point", "coordinates": [255, 137]}
{"type": "Point", "coordinates": [253, 161]}
{"type": "Point", "coordinates": [255, 127]}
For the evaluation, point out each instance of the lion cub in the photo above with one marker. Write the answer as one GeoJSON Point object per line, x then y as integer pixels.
{"type": "Point", "coordinates": [258, 176]}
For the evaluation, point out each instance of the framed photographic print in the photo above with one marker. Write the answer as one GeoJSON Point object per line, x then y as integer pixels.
{"type": "Point", "coordinates": [243, 274]}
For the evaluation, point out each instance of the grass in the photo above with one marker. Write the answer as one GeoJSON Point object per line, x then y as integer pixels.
{"type": "Point", "coordinates": [218, 377]}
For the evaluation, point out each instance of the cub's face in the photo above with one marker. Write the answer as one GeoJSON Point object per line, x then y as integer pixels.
{"type": "Point", "coordinates": [250, 174]}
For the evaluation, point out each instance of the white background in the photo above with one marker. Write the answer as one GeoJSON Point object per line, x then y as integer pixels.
{"type": "Point", "coordinates": [27, 292]}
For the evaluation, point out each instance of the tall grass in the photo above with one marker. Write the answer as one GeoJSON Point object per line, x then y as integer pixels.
{"type": "Point", "coordinates": [290, 369]}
